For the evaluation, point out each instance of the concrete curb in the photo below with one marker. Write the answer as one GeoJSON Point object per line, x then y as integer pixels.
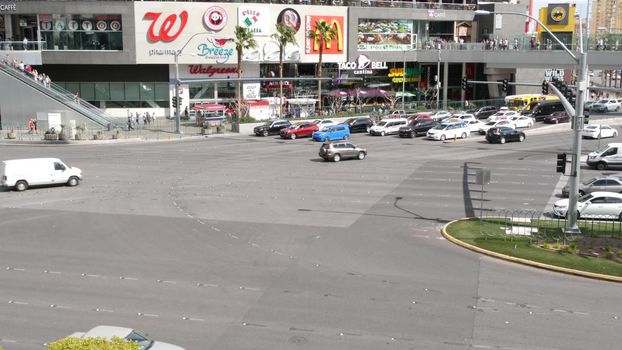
{"type": "Point", "coordinates": [524, 261]}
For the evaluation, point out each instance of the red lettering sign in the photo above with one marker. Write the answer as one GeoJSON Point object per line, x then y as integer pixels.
{"type": "Point", "coordinates": [211, 70]}
{"type": "Point", "coordinates": [164, 32]}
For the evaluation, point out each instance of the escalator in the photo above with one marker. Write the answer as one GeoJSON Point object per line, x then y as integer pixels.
{"type": "Point", "coordinates": [22, 98]}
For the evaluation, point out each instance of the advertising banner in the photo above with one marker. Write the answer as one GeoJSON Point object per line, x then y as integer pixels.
{"type": "Point", "coordinates": [255, 18]}
{"type": "Point", "coordinates": [333, 47]}
{"type": "Point", "coordinates": [384, 35]}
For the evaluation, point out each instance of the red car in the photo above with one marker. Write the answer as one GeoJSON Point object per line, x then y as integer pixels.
{"type": "Point", "coordinates": [419, 116]}
{"type": "Point", "coordinates": [557, 117]}
{"type": "Point", "coordinates": [299, 130]}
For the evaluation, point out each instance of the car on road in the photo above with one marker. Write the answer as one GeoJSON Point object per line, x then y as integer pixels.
{"type": "Point", "coordinates": [522, 121]}
{"type": "Point", "coordinates": [444, 131]}
{"type": "Point", "coordinates": [587, 105]}
{"type": "Point", "coordinates": [597, 184]}
{"type": "Point", "coordinates": [595, 131]}
{"type": "Point", "coordinates": [606, 105]}
{"type": "Point", "coordinates": [362, 124]}
{"type": "Point", "coordinates": [502, 115]}
{"type": "Point", "coordinates": [485, 112]}
{"type": "Point", "coordinates": [544, 108]}
{"type": "Point", "coordinates": [474, 125]}
{"type": "Point", "coordinates": [387, 127]}
{"type": "Point", "coordinates": [598, 205]}
{"type": "Point", "coordinates": [417, 127]}
{"type": "Point", "coordinates": [504, 134]}
{"type": "Point", "coordinates": [557, 117]}
{"type": "Point", "coordinates": [440, 115]}
{"type": "Point", "coordinates": [492, 124]}
{"type": "Point", "coordinates": [128, 334]}
{"type": "Point", "coordinates": [271, 128]}
{"type": "Point", "coordinates": [336, 151]}
{"type": "Point", "coordinates": [333, 132]}
{"type": "Point", "coordinates": [305, 129]}
{"type": "Point", "coordinates": [607, 156]}
{"type": "Point", "coordinates": [420, 116]}
{"type": "Point", "coordinates": [463, 116]}
{"type": "Point", "coordinates": [321, 123]}
{"type": "Point", "coordinates": [19, 174]}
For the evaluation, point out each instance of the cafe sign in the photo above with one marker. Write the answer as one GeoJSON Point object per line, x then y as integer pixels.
{"type": "Point", "coordinates": [362, 65]}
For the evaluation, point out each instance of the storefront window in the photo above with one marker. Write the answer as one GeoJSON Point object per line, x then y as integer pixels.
{"type": "Point", "coordinates": [81, 32]}
{"type": "Point", "coordinates": [121, 95]}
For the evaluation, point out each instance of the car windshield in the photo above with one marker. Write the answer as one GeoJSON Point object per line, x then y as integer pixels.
{"type": "Point", "coordinates": [587, 182]}
{"type": "Point", "coordinates": [440, 127]}
{"type": "Point", "coordinates": [602, 101]}
{"type": "Point", "coordinates": [592, 126]}
{"type": "Point", "coordinates": [382, 123]}
{"type": "Point", "coordinates": [491, 123]}
{"type": "Point", "coordinates": [587, 197]}
{"type": "Point", "coordinates": [602, 149]}
{"type": "Point", "coordinates": [267, 124]}
{"type": "Point", "coordinates": [142, 341]}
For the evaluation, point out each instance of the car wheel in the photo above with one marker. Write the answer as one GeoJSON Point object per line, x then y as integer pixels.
{"type": "Point", "coordinates": [615, 134]}
{"type": "Point", "coordinates": [265, 133]}
{"type": "Point", "coordinates": [21, 185]}
{"type": "Point", "coordinates": [336, 157]}
{"type": "Point", "coordinates": [442, 137]}
{"type": "Point", "coordinates": [521, 138]}
{"type": "Point", "coordinates": [601, 166]}
{"type": "Point", "coordinates": [346, 137]}
{"type": "Point", "coordinates": [502, 140]}
{"type": "Point", "coordinates": [382, 133]}
{"type": "Point", "coordinates": [529, 125]}
{"type": "Point", "coordinates": [73, 181]}
{"type": "Point", "coordinates": [581, 193]}
{"type": "Point", "coordinates": [464, 135]}
{"type": "Point", "coordinates": [413, 134]}
{"type": "Point", "coordinates": [293, 136]}
{"type": "Point", "coordinates": [361, 155]}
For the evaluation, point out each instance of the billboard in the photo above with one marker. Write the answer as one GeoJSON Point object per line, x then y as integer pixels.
{"type": "Point", "coordinates": [204, 33]}
{"type": "Point", "coordinates": [334, 47]}
{"type": "Point", "coordinates": [384, 35]}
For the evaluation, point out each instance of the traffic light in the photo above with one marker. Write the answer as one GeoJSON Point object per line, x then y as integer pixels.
{"type": "Point", "coordinates": [571, 96]}
{"type": "Point", "coordinates": [465, 83]}
{"type": "Point", "coordinates": [180, 99]}
{"type": "Point", "coordinates": [561, 163]}
{"type": "Point", "coordinates": [174, 102]}
{"type": "Point", "coordinates": [505, 85]}
{"type": "Point", "coordinates": [545, 88]}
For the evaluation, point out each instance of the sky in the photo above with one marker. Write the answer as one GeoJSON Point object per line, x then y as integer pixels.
{"type": "Point", "coordinates": [581, 5]}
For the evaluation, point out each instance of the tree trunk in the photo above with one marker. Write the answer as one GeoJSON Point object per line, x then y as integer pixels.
{"type": "Point", "coordinates": [281, 82]}
{"type": "Point", "coordinates": [319, 81]}
{"type": "Point", "coordinates": [239, 92]}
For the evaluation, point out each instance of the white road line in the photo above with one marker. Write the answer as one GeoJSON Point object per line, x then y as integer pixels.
{"type": "Point", "coordinates": [206, 285]}
{"type": "Point", "coordinates": [128, 278]}
{"type": "Point", "coordinates": [17, 302]}
{"type": "Point", "coordinates": [147, 315]}
{"type": "Point", "coordinates": [103, 310]}
{"type": "Point", "coordinates": [558, 189]}
{"type": "Point", "coordinates": [249, 288]}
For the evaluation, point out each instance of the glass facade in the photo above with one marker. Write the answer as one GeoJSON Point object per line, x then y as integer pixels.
{"type": "Point", "coordinates": [81, 32]}
{"type": "Point", "coordinates": [121, 94]}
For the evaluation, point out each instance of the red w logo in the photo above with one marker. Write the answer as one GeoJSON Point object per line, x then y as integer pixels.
{"type": "Point", "coordinates": [164, 32]}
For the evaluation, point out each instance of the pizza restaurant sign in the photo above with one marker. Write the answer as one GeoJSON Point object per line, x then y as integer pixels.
{"type": "Point", "coordinates": [362, 65]}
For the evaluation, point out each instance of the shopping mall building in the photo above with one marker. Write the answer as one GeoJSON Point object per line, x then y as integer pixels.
{"type": "Point", "coordinates": [121, 55]}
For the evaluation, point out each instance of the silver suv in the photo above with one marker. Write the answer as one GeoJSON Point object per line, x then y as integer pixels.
{"type": "Point", "coordinates": [337, 151]}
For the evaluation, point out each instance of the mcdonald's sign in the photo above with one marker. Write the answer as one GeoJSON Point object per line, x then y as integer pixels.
{"type": "Point", "coordinates": [335, 46]}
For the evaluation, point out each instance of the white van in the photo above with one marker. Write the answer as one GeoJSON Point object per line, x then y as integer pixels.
{"type": "Point", "coordinates": [448, 131]}
{"type": "Point", "coordinates": [605, 157]}
{"type": "Point", "coordinates": [388, 127]}
{"type": "Point", "coordinates": [22, 173]}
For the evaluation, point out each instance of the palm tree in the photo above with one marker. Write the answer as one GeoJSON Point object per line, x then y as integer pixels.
{"type": "Point", "coordinates": [322, 34]}
{"type": "Point", "coordinates": [284, 35]}
{"type": "Point", "coordinates": [244, 40]}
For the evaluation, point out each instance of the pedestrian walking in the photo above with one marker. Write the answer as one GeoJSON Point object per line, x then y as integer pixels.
{"type": "Point", "coordinates": [25, 43]}
{"type": "Point", "coordinates": [76, 97]}
{"type": "Point", "coordinates": [129, 122]}
{"type": "Point", "coordinates": [31, 126]}
{"type": "Point", "coordinates": [137, 118]}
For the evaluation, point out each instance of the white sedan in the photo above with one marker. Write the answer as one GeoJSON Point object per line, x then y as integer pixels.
{"type": "Point", "coordinates": [495, 124]}
{"type": "Point", "coordinates": [502, 115]}
{"type": "Point", "coordinates": [322, 123]}
{"type": "Point", "coordinates": [522, 121]}
{"type": "Point", "coordinates": [474, 125]}
{"type": "Point", "coordinates": [596, 131]}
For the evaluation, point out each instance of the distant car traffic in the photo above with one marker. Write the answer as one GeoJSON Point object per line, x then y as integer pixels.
{"type": "Point", "coordinates": [606, 105]}
{"type": "Point", "coordinates": [597, 184]}
{"type": "Point", "coordinates": [304, 129]}
{"type": "Point", "coordinates": [417, 127]}
{"type": "Point", "coordinates": [271, 128]}
{"type": "Point", "coordinates": [444, 131]}
{"type": "Point", "coordinates": [337, 151]}
{"type": "Point", "coordinates": [595, 131]}
{"type": "Point", "coordinates": [321, 123]}
{"type": "Point", "coordinates": [492, 124]}
{"type": "Point", "coordinates": [128, 334]}
{"type": "Point", "coordinates": [333, 132]}
{"type": "Point", "coordinates": [598, 205]}
{"type": "Point", "coordinates": [522, 121]}
{"type": "Point", "coordinates": [557, 117]}
{"type": "Point", "coordinates": [474, 125]}
{"type": "Point", "coordinates": [502, 115]}
{"type": "Point", "coordinates": [362, 124]}
{"type": "Point", "coordinates": [440, 115]}
{"type": "Point", "coordinates": [387, 127]}
{"type": "Point", "coordinates": [504, 134]}
{"type": "Point", "coordinates": [485, 112]}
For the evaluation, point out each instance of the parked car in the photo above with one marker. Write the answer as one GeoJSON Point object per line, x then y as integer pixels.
{"type": "Point", "coordinates": [305, 129]}
{"type": "Point", "coordinates": [334, 132]}
{"type": "Point", "coordinates": [359, 124]}
{"type": "Point", "coordinates": [599, 205]}
{"type": "Point", "coordinates": [485, 112]}
{"type": "Point", "coordinates": [130, 335]}
{"type": "Point", "coordinates": [557, 117]}
{"type": "Point", "coordinates": [474, 125]}
{"type": "Point", "coordinates": [606, 105]}
{"type": "Point", "coordinates": [271, 128]}
{"type": "Point", "coordinates": [492, 124]}
{"type": "Point", "coordinates": [502, 115]}
{"type": "Point", "coordinates": [337, 151]}
{"type": "Point", "coordinates": [597, 184]}
{"type": "Point", "coordinates": [417, 127]}
{"type": "Point", "coordinates": [439, 115]}
{"type": "Point", "coordinates": [448, 131]}
{"type": "Point", "coordinates": [504, 134]}
{"type": "Point", "coordinates": [321, 123]}
{"type": "Point", "coordinates": [596, 131]}
{"type": "Point", "coordinates": [522, 121]}
{"type": "Point", "coordinates": [387, 127]}
{"type": "Point", "coordinates": [23, 173]}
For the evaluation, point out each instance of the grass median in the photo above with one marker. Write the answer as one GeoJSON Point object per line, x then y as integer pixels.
{"type": "Point", "coordinates": [597, 250]}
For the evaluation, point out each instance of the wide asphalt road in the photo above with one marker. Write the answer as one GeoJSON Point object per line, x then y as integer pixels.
{"type": "Point", "coordinates": [254, 243]}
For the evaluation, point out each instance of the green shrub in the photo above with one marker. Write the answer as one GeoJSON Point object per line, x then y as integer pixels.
{"type": "Point", "coordinates": [247, 119]}
{"type": "Point", "coordinates": [609, 255]}
{"type": "Point", "coordinates": [93, 343]}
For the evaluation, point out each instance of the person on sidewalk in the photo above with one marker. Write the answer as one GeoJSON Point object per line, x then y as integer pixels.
{"type": "Point", "coordinates": [129, 122]}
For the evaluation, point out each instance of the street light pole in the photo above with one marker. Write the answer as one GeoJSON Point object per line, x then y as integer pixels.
{"type": "Point", "coordinates": [177, 116]}
{"type": "Point", "coordinates": [582, 86]}
{"type": "Point", "coordinates": [403, 79]}
{"type": "Point", "coordinates": [438, 80]}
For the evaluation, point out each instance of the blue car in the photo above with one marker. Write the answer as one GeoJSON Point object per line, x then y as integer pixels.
{"type": "Point", "coordinates": [331, 133]}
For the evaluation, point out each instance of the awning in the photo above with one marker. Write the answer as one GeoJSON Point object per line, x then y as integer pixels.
{"type": "Point", "coordinates": [256, 103]}
{"type": "Point", "coordinates": [208, 107]}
